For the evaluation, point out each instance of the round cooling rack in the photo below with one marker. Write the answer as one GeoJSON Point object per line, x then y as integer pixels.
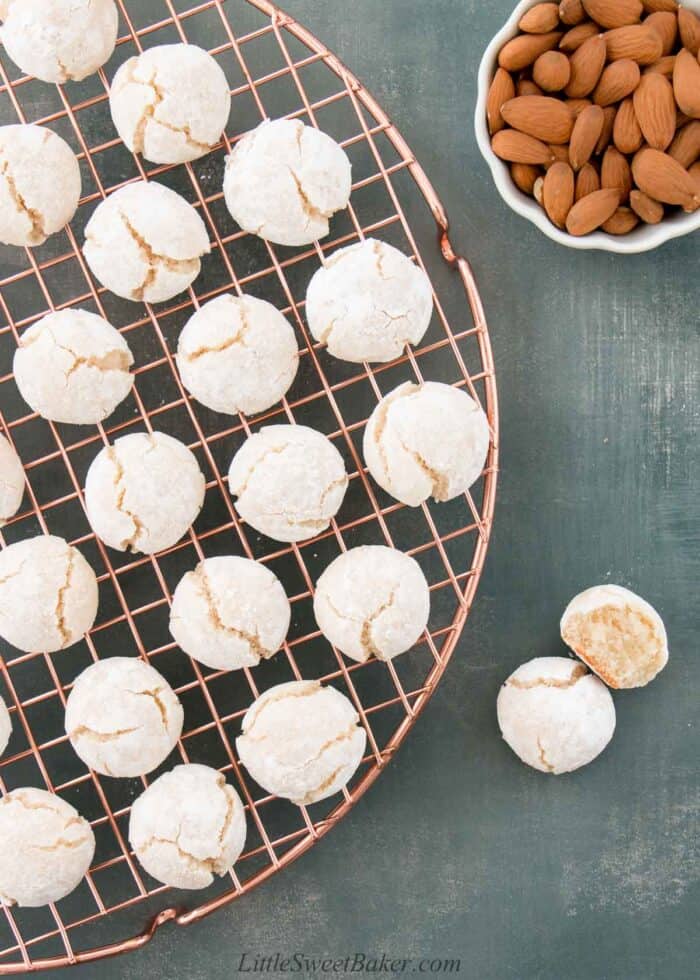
{"type": "Point", "coordinates": [275, 68]}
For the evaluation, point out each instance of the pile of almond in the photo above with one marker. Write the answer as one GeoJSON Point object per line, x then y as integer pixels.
{"type": "Point", "coordinates": [596, 107]}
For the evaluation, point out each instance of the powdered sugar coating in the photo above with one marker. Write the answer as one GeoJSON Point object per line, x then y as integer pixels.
{"type": "Point", "coordinates": [11, 481]}
{"type": "Point", "coordinates": [368, 302]}
{"type": "Point", "coordinates": [426, 440]}
{"type": "Point", "coordinates": [143, 492]}
{"type": "Point", "coordinates": [5, 726]}
{"type": "Point", "coordinates": [301, 741]}
{"type": "Point", "coordinates": [237, 354]}
{"type": "Point", "coordinates": [171, 103]}
{"type": "Point", "coordinates": [72, 366]}
{"type": "Point", "coordinates": [284, 181]}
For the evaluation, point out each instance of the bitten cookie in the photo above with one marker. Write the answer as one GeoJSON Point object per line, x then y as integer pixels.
{"type": "Point", "coordinates": [171, 103]}
{"type": "Point", "coordinates": [289, 481]}
{"type": "Point", "coordinates": [427, 440]}
{"type": "Point", "coordinates": [372, 601]}
{"type": "Point", "coordinates": [143, 492]}
{"type": "Point", "coordinates": [47, 848]}
{"type": "Point", "coordinates": [301, 741]}
{"type": "Point", "coordinates": [554, 715]}
{"type": "Point", "coordinates": [284, 181]}
{"type": "Point", "coordinates": [188, 826]}
{"type": "Point", "coordinates": [368, 302]}
{"type": "Point", "coordinates": [39, 184]}
{"type": "Point", "coordinates": [237, 354]}
{"type": "Point", "coordinates": [122, 717]}
{"type": "Point", "coordinates": [229, 613]}
{"type": "Point", "coordinates": [73, 366]}
{"type": "Point", "coordinates": [11, 481]}
{"type": "Point", "coordinates": [145, 242]}
{"type": "Point", "coordinates": [48, 594]}
{"type": "Point", "coordinates": [619, 635]}
{"type": "Point", "coordinates": [59, 40]}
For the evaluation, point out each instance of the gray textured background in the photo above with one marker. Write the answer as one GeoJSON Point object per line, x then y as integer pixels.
{"type": "Point", "coordinates": [459, 850]}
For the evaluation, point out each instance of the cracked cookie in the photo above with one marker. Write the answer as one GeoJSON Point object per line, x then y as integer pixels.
{"type": "Point", "coordinates": [188, 826]}
{"type": "Point", "coordinates": [143, 492]}
{"type": "Point", "coordinates": [284, 181]}
{"type": "Point", "coordinates": [39, 184]}
{"type": "Point", "coordinates": [145, 242]}
{"type": "Point", "coordinates": [47, 847]}
{"type": "Point", "coordinates": [60, 40]}
{"type": "Point", "coordinates": [48, 594]}
{"type": "Point", "coordinates": [5, 726]}
{"type": "Point", "coordinates": [237, 354]}
{"type": "Point", "coordinates": [301, 741]}
{"type": "Point", "coordinates": [170, 103]}
{"type": "Point", "coordinates": [11, 481]}
{"type": "Point", "coordinates": [368, 302]}
{"type": "Point", "coordinates": [617, 633]}
{"type": "Point", "coordinates": [426, 440]}
{"type": "Point", "coordinates": [73, 366]}
{"type": "Point", "coordinates": [554, 715]}
{"type": "Point", "coordinates": [229, 613]}
{"type": "Point", "coordinates": [122, 717]}
{"type": "Point", "coordinates": [289, 481]}
{"type": "Point", "coordinates": [372, 601]}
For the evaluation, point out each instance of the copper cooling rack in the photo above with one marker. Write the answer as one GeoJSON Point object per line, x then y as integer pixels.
{"type": "Point", "coordinates": [275, 67]}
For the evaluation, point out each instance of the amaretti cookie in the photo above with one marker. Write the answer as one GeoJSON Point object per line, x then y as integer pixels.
{"type": "Point", "coordinates": [72, 366]}
{"type": "Point", "coordinates": [617, 633]}
{"type": "Point", "coordinates": [229, 613]}
{"type": "Point", "coordinates": [284, 181]}
{"type": "Point", "coordinates": [59, 40]}
{"type": "Point", "coordinates": [188, 826]}
{"type": "Point", "coordinates": [47, 847]}
{"type": "Point", "coordinates": [143, 492]}
{"type": "Point", "coordinates": [39, 184]}
{"type": "Point", "coordinates": [427, 440]}
{"type": "Point", "coordinates": [5, 726]}
{"type": "Point", "coordinates": [237, 354]}
{"type": "Point", "coordinates": [289, 482]}
{"type": "Point", "coordinates": [555, 715]}
{"type": "Point", "coordinates": [11, 481]}
{"type": "Point", "coordinates": [48, 594]}
{"type": "Point", "coordinates": [301, 741]}
{"type": "Point", "coordinates": [372, 601]}
{"type": "Point", "coordinates": [122, 717]}
{"type": "Point", "coordinates": [368, 302]}
{"type": "Point", "coordinates": [171, 103]}
{"type": "Point", "coordinates": [145, 242]}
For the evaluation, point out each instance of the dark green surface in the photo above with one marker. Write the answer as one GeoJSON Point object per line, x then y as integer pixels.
{"type": "Point", "coordinates": [459, 850]}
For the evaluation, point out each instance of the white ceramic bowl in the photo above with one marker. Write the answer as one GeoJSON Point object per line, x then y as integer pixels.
{"type": "Point", "coordinates": [642, 239]}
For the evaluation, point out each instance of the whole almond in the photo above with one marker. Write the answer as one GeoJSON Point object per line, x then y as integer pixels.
{"type": "Point", "coordinates": [558, 193]}
{"type": "Point", "coordinates": [617, 82]}
{"type": "Point", "coordinates": [649, 210]}
{"type": "Point", "coordinates": [586, 67]}
{"type": "Point", "coordinates": [621, 222]}
{"type": "Point", "coordinates": [523, 50]}
{"type": "Point", "coordinates": [587, 181]}
{"type": "Point", "coordinates": [560, 153]}
{"type": "Point", "coordinates": [573, 39]}
{"type": "Point", "coordinates": [571, 12]}
{"type": "Point", "coordinates": [517, 147]}
{"type": "Point", "coordinates": [609, 113]}
{"type": "Point", "coordinates": [524, 176]}
{"type": "Point", "coordinates": [540, 19]}
{"type": "Point", "coordinates": [685, 148]}
{"type": "Point", "coordinates": [655, 109]}
{"type": "Point", "coordinates": [613, 13]}
{"type": "Point", "coordinates": [627, 136]}
{"type": "Point", "coordinates": [502, 89]}
{"type": "Point", "coordinates": [552, 71]}
{"type": "Point", "coordinates": [664, 66]}
{"type": "Point", "coordinates": [615, 173]}
{"type": "Point", "coordinates": [689, 27]}
{"type": "Point", "coordinates": [695, 174]}
{"type": "Point", "coordinates": [638, 42]}
{"type": "Point", "coordinates": [578, 105]}
{"type": "Point", "coordinates": [591, 211]}
{"type": "Point", "coordinates": [663, 178]}
{"type": "Point", "coordinates": [540, 116]}
{"type": "Point", "coordinates": [666, 26]}
{"type": "Point", "coordinates": [585, 135]}
{"type": "Point", "coordinates": [686, 84]}
{"type": "Point", "coordinates": [651, 6]}
{"type": "Point", "coordinates": [525, 86]}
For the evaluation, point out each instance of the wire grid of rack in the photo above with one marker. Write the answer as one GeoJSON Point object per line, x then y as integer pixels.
{"type": "Point", "coordinates": [275, 67]}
